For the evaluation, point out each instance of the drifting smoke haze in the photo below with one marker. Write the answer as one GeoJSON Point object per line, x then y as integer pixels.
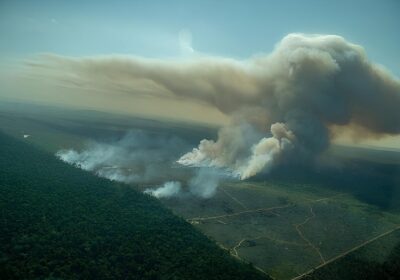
{"type": "Point", "coordinates": [135, 158]}
{"type": "Point", "coordinates": [204, 184]}
{"type": "Point", "coordinates": [283, 106]}
{"type": "Point", "coordinates": [167, 190]}
{"type": "Point", "coordinates": [142, 157]}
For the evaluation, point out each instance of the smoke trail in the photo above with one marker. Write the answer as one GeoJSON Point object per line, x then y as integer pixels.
{"type": "Point", "coordinates": [169, 189]}
{"type": "Point", "coordinates": [136, 157]}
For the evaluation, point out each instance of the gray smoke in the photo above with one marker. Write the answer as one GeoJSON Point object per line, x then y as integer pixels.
{"type": "Point", "coordinates": [305, 87]}
{"type": "Point", "coordinates": [138, 157]}
{"type": "Point", "coordinates": [204, 184]}
{"type": "Point", "coordinates": [141, 157]}
{"type": "Point", "coordinates": [167, 190]}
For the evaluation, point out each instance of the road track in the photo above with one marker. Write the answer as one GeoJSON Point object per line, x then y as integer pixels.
{"type": "Point", "coordinates": [235, 199]}
{"type": "Point", "coordinates": [346, 252]}
{"type": "Point", "coordinates": [239, 213]}
{"type": "Point", "coordinates": [297, 227]}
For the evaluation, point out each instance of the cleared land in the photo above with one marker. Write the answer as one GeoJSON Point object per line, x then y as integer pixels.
{"type": "Point", "coordinates": [286, 230]}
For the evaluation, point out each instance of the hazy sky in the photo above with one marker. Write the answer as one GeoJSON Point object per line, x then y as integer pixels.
{"type": "Point", "coordinates": [228, 28]}
{"type": "Point", "coordinates": [175, 29]}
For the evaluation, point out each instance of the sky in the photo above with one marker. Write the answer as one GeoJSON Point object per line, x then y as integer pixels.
{"type": "Point", "coordinates": [229, 28]}
{"type": "Point", "coordinates": [173, 30]}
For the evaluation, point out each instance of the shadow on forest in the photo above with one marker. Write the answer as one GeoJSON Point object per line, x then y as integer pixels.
{"type": "Point", "coordinates": [374, 183]}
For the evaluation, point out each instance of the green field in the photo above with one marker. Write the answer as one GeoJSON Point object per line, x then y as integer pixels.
{"type": "Point", "coordinates": [285, 229]}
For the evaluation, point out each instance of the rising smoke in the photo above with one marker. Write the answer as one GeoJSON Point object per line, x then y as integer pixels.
{"type": "Point", "coordinates": [138, 157]}
{"type": "Point", "coordinates": [203, 183]}
{"type": "Point", "coordinates": [169, 189]}
{"type": "Point", "coordinates": [305, 87]}
{"type": "Point", "coordinates": [143, 157]}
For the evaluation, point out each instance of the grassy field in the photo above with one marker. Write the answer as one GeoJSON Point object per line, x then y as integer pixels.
{"type": "Point", "coordinates": [284, 229]}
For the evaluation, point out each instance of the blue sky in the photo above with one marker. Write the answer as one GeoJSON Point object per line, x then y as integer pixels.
{"type": "Point", "coordinates": [226, 28]}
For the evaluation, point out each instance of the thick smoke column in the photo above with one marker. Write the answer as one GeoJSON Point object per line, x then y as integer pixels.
{"type": "Point", "coordinates": [265, 152]}
{"type": "Point", "coordinates": [228, 155]}
{"type": "Point", "coordinates": [305, 87]}
{"type": "Point", "coordinates": [309, 84]}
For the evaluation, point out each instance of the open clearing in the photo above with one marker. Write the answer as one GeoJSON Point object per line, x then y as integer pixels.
{"type": "Point", "coordinates": [286, 230]}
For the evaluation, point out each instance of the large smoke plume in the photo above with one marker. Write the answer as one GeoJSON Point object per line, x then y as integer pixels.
{"type": "Point", "coordinates": [305, 87]}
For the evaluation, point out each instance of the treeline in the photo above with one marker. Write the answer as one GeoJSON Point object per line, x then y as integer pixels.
{"type": "Point", "coordinates": [57, 221]}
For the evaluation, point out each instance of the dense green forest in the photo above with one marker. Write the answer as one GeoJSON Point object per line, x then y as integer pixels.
{"type": "Point", "coordinates": [57, 221]}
